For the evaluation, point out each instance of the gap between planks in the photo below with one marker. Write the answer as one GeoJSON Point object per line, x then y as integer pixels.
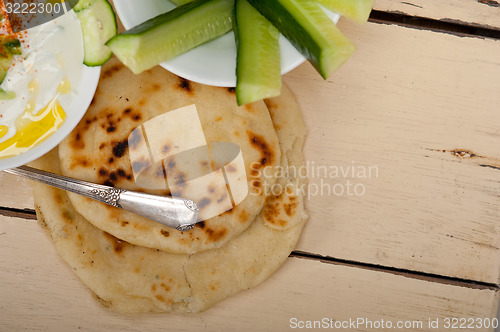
{"type": "Point", "coordinates": [398, 271]}
{"type": "Point", "coordinates": [449, 26]}
{"type": "Point", "coordinates": [30, 215]}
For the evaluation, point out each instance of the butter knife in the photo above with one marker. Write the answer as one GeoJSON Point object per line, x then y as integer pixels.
{"type": "Point", "coordinates": [178, 213]}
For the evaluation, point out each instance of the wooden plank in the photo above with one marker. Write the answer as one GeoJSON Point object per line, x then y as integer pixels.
{"type": "Point", "coordinates": [485, 13]}
{"type": "Point", "coordinates": [396, 109]}
{"type": "Point", "coordinates": [40, 292]}
{"type": "Point", "coordinates": [15, 192]}
{"type": "Point", "coordinates": [405, 97]}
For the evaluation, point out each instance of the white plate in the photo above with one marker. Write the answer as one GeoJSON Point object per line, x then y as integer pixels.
{"type": "Point", "coordinates": [213, 63]}
{"type": "Point", "coordinates": [83, 82]}
{"type": "Point", "coordinates": [74, 113]}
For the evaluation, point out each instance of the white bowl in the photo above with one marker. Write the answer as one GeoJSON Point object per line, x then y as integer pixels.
{"type": "Point", "coordinates": [213, 63]}
{"type": "Point", "coordinates": [74, 114]}
{"type": "Point", "coordinates": [83, 80]}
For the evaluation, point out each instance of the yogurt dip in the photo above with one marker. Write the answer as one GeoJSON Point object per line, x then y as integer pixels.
{"type": "Point", "coordinates": [44, 80]}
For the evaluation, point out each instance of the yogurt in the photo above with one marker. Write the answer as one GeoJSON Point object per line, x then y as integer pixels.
{"type": "Point", "coordinates": [44, 77]}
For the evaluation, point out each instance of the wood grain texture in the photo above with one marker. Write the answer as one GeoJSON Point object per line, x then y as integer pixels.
{"type": "Point", "coordinates": [397, 109]}
{"type": "Point", "coordinates": [15, 192]}
{"type": "Point", "coordinates": [484, 13]}
{"type": "Point", "coordinates": [40, 292]}
{"type": "Point", "coordinates": [422, 108]}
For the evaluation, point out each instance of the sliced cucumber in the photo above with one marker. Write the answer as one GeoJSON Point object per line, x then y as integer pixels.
{"type": "Point", "coordinates": [98, 22]}
{"type": "Point", "coordinates": [356, 10]}
{"type": "Point", "coordinates": [309, 29]}
{"type": "Point", "coordinates": [258, 69]}
{"type": "Point", "coordinates": [4, 66]}
{"type": "Point", "coordinates": [180, 2]}
{"type": "Point", "coordinates": [170, 34]}
{"type": "Point", "coordinates": [9, 46]}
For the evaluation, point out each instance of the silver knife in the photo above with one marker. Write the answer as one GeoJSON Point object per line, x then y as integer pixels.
{"type": "Point", "coordinates": [178, 213]}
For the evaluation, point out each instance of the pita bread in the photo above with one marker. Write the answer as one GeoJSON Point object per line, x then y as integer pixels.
{"type": "Point", "coordinates": [135, 279]}
{"type": "Point", "coordinates": [101, 147]}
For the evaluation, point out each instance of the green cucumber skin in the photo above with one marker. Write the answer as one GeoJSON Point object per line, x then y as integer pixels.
{"type": "Point", "coordinates": [163, 37]}
{"type": "Point", "coordinates": [304, 36]}
{"type": "Point", "coordinates": [180, 2]}
{"type": "Point", "coordinates": [258, 70]}
{"type": "Point", "coordinates": [356, 10]}
{"type": "Point", "coordinates": [289, 27]}
{"type": "Point", "coordinates": [158, 21]}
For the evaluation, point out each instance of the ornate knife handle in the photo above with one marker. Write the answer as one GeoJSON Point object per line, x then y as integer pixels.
{"type": "Point", "coordinates": [178, 213]}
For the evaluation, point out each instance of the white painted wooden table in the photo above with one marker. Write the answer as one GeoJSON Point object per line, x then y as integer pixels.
{"type": "Point", "coordinates": [417, 244]}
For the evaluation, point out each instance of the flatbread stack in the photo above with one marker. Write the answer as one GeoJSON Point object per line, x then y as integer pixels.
{"type": "Point", "coordinates": [135, 265]}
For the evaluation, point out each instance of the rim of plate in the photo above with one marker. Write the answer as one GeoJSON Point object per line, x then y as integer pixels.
{"type": "Point", "coordinates": [80, 104]}
{"type": "Point", "coordinates": [213, 63]}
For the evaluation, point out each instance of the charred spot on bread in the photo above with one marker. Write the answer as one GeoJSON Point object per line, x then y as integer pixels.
{"type": "Point", "coordinates": [110, 71]}
{"type": "Point", "coordinates": [215, 235]}
{"type": "Point", "coordinates": [77, 143]}
{"type": "Point", "coordinates": [184, 85]}
{"type": "Point", "coordinates": [121, 173]}
{"type": "Point", "coordinates": [118, 245]}
{"type": "Point", "coordinates": [119, 148]}
{"type": "Point", "coordinates": [260, 144]}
